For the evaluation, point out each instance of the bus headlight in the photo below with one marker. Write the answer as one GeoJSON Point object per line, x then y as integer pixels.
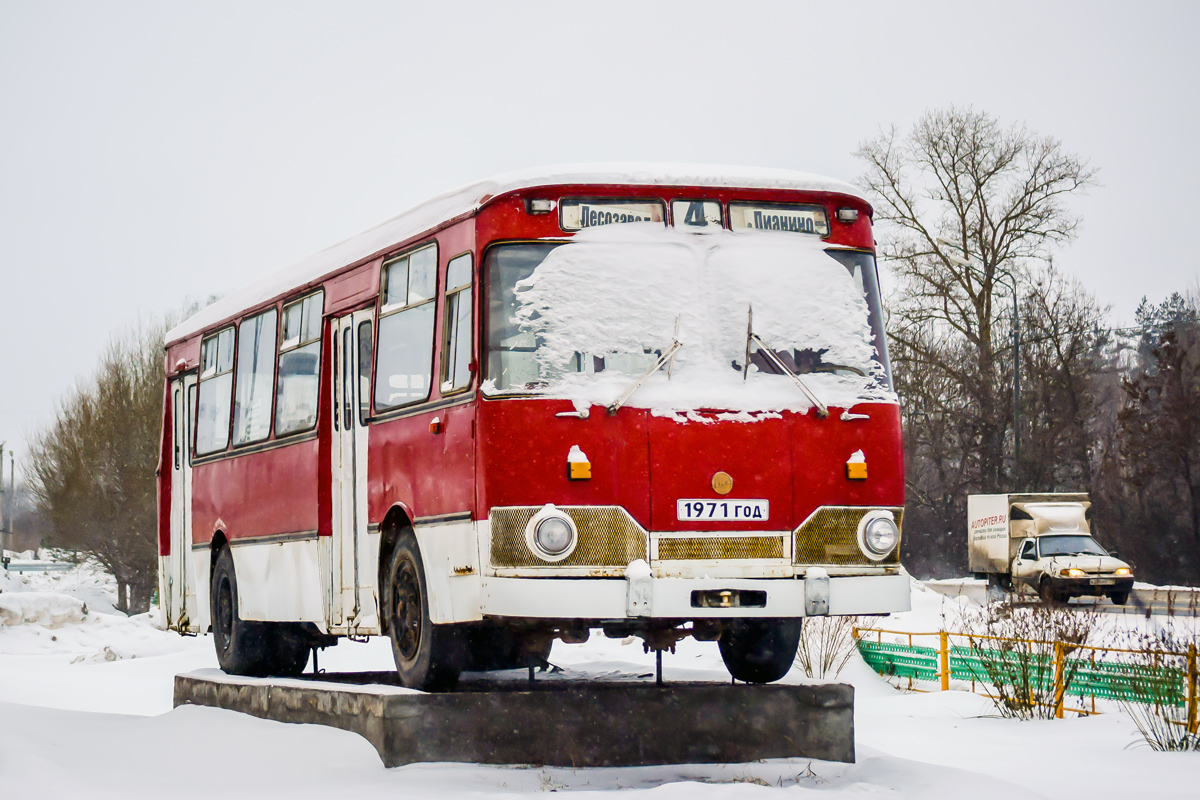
{"type": "Point", "coordinates": [878, 534]}
{"type": "Point", "coordinates": [551, 534]}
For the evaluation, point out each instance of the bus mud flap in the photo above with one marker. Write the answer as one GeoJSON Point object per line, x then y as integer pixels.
{"type": "Point", "coordinates": [816, 592]}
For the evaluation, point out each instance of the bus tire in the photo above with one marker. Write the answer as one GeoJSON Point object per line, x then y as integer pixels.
{"type": "Point", "coordinates": [495, 647]}
{"type": "Point", "coordinates": [286, 649]}
{"type": "Point", "coordinates": [428, 657]}
{"type": "Point", "coordinates": [759, 650]}
{"type": "Point", "coordinates": [240, 644]}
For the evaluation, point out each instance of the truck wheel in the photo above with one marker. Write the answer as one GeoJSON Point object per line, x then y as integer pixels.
{"type": "Point", "coordinates": [1119, 598]}
{"type": "Point", "coordinates": [759, 650]}
{"type": "Point", "coordinates": [428, 657]}
{"type": "Point", "coordinates": [1047, 593]}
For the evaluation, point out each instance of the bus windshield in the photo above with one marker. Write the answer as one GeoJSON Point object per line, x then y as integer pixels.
{"type": "Point", "coordinates": [565, 315]}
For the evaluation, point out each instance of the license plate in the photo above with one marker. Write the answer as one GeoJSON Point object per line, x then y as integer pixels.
{"type": "Point", "coordinates": [1103, 581]}
{"type": "Point", "coordinates": [722, 510]}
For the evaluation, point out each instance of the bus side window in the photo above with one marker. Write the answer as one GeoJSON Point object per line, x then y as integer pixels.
{"type": "Point", "coordinates": [178, 427]}
{"type": "Point", "coordinates": [255, 373]}
{"type": "Point", "coordinates": [299, 366]}
{"type": "Point", "coordinates": [191, 422]}
{"type": "Point", "coordinates": [456, 339]}
{"type": "Point", "coordinates": [405, 347]}
{"type": "Point", "coordinates": [216, 385]}
{"type": "Point", "coordinates": [364, 371]}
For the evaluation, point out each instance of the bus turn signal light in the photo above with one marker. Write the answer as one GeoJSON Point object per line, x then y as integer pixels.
{"type": "Point", "coordinates": [578, 466]}
{"type": "Point", "coordinates": [856, 467]}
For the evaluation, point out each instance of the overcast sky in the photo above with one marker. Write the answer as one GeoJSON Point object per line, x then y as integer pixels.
{"type": "Point", "coordinates": [154, 152]}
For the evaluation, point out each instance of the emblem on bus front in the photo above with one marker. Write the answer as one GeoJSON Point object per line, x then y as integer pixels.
{"type": "Point", "coordinates": [722, 483]}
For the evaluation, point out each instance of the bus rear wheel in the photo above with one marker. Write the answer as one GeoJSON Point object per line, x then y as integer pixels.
{"type": "Point", "coordinates": [428, 657]}
{"type": "Point", "coordinates": [245, 647]}
{"type": "Point", "coordinates": [759, 650]}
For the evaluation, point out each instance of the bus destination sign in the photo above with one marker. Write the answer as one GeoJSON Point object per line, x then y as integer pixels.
{"type": "Point", "coordinates": [799, 219]}
{"type": "Point", "coordinates": [579, 214]}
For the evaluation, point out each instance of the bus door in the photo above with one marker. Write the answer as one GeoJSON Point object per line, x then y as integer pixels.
{"type": "Point", "coordinates": [353, 579]}
{"type": "Point", "coordinates": [179, 591]}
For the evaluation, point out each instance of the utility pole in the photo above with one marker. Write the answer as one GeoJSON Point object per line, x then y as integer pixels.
{"type": "Point", "coordinates": [1016, 383]}
{"type": "Point", "coordinates": [5, 497]}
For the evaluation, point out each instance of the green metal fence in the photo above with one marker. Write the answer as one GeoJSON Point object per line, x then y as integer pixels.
{"type": "Point", "coordinates": [1066, 676]}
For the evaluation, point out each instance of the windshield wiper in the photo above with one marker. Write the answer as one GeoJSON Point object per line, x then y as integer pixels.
{"type": "Point", "coordinates": [753, 338]}
{"type": "Point", "coordinates": [667, 358]}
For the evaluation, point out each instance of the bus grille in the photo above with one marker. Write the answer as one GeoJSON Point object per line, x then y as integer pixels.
{"type": "Point", "coordinates": [703, 548]}
{"type": "Point", "coordinates": [608, 537]}
{"type": "Point", "coordinates": [830, 536]}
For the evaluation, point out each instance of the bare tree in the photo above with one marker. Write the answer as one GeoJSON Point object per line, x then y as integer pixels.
{"type": "Point", "coordinates": [1149, 473]}
{"type": "Point", "coordinates": [91, 472]}
{"type": "Point", "coordinates": [999, 196]}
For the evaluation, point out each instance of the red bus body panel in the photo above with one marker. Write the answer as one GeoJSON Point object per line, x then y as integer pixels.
{"type": "Point", "coordinates": [505, 452]}
{"type": "Point", "coordinates": [257, 494]}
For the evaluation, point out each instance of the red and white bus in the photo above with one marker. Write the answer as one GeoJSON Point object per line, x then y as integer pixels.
{"type": "Point", "coordinates": [649, 400]}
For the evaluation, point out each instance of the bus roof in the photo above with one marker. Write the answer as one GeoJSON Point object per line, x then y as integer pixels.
{"type": "Point", "coordinates": [467, 199]}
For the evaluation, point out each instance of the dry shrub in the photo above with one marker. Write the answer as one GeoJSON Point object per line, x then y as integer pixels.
{"type": "Point", "coordinates": [1019, 666]}
{"type": "Point", "coordinates": [1153, 692]}
{"type": "Point", "coordinates": [826, 644]}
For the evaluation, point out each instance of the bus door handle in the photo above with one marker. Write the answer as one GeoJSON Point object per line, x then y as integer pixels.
{"type": "Point", "coordinates": [847, 416]}
{"type": "Point", "coordinates": [577, 414]}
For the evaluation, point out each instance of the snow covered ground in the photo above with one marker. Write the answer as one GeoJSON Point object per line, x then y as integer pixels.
{"type": "Point", "coordinates": [85, 711]}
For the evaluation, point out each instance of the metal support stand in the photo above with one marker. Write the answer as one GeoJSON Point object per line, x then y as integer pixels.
{"type": "Point", "coordinates": [531, 669]}
{"type": "Point", "coordinates": [315, 669]}
{"type": "Point", "coordinates": [658, 666]}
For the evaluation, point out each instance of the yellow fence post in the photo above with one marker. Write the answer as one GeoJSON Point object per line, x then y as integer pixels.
{"type": "Point", "coordinates": [1191, 690]}
{"type": "Point", "coordinates": [1059, 689]}
{"type": "Point", "coordinates": [945, 654]}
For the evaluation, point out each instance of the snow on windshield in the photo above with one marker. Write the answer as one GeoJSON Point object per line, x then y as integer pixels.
{"type": "Point", "coordinates": [596, 312]}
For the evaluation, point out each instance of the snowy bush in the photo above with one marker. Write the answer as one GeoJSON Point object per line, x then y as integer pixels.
{"type": "Point", "coordinates": [1016, 648]}
{"type": "Point", "coordinates": [826, 645]}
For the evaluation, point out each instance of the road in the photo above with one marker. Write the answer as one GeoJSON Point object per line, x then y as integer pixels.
{"type": "Point", "coordinates": [1178, 600]}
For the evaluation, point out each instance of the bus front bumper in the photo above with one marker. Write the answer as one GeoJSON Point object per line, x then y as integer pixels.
{"type": "Point", "coordinates": [690, 598]}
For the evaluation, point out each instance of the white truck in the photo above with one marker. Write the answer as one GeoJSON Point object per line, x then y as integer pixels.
{"type": "Point", "coordinates": [1042, 543]}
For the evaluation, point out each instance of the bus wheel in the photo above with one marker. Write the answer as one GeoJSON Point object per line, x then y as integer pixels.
{"type": "Point", "coordinates": [428, 657]}
{"type": "Point", "coordinates": [240, 644]}
{"type": "Point", "coordinates": [493, 647]}
{"type": "Point", "coordinates": [251, 648]}
{"type": "Point", "coordinates": [286, 649]}
{"type": "Point", "coordinates": [759, 650]}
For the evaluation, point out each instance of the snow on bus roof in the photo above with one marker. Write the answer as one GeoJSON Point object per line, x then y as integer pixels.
{"type": "Point", "coordinates": [467, 199]}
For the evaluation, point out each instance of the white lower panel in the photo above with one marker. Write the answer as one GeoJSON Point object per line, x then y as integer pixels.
{"type": "Point", "coordinates": [279, 581]}
{"type": "Point", "coordinates": [450, 553]}
{"type": "Point", "coordinates": [870, 595]}
{"type": "Point", "coordinates": [557, 598]}
{"type": "Point", "coordinates": [202, 572]}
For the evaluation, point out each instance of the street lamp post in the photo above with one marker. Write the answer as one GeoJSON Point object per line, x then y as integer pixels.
{"type": "Point", "coordinates": [5, 524]}
{"type": "Point", "coordinates": [966, 262]}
